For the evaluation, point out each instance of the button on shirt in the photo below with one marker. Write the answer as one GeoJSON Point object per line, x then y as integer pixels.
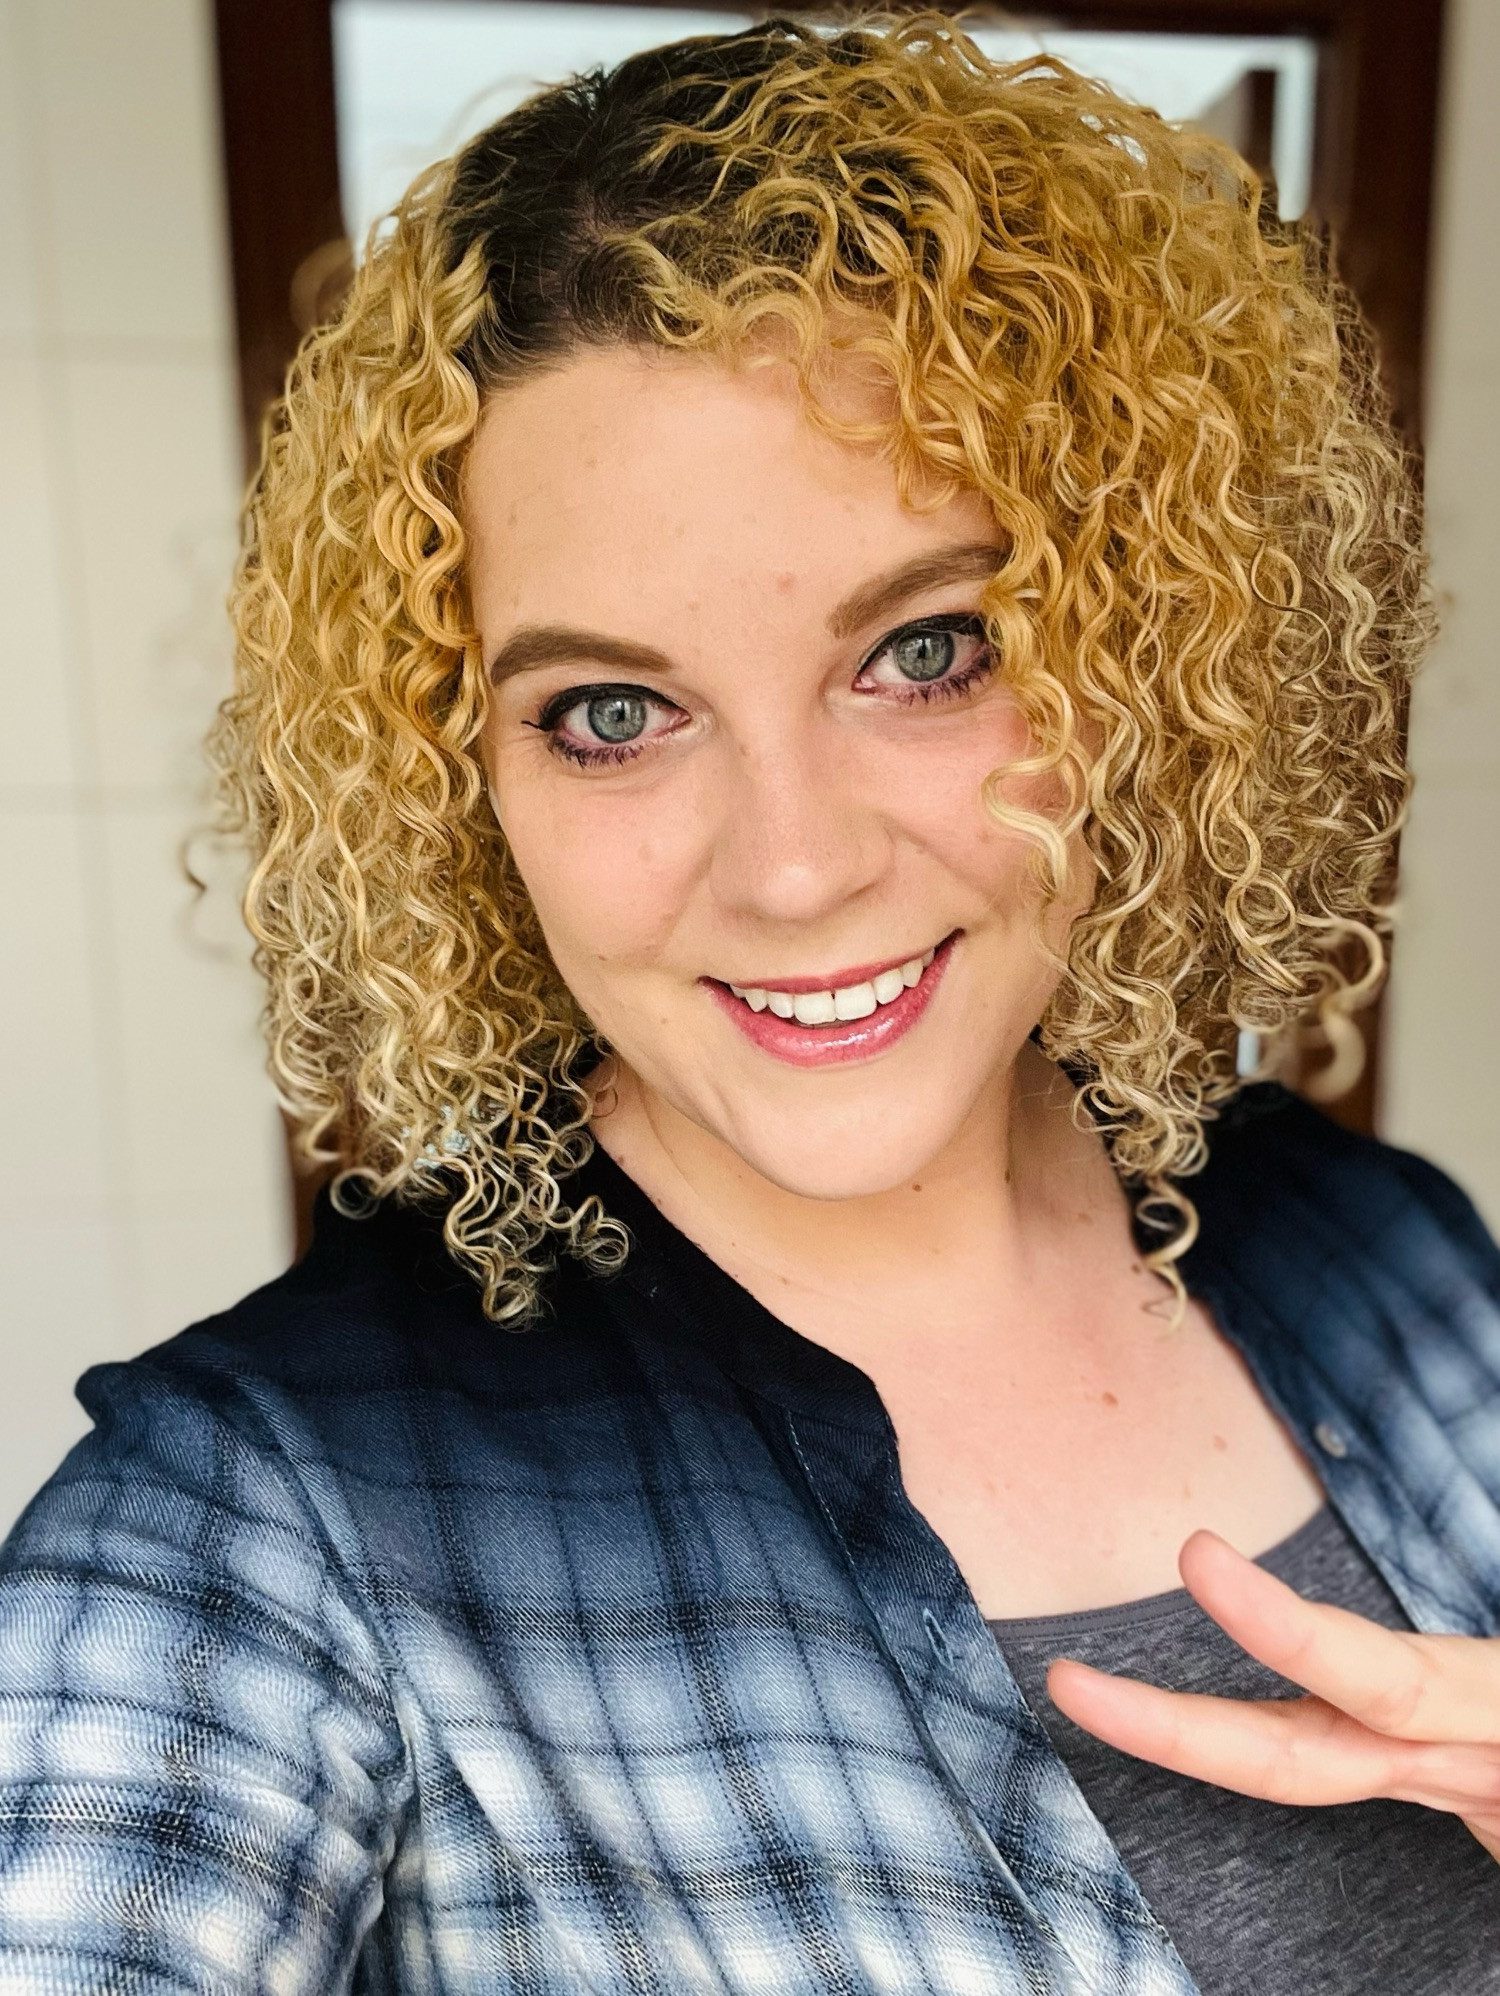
{"type": "Point", "coordinates": [366, 1645]}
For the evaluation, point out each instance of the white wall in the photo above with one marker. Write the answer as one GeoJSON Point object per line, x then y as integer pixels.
{"type": "Point", "coordinates": [1442, 1075]}
{"type": "Point", "coordinates": [141, 1175]}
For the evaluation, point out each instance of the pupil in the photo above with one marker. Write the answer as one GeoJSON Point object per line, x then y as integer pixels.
{"type": "Point", "coordinates": [617, 717]}
{"type": "Point", "coordinates": [924, 654]}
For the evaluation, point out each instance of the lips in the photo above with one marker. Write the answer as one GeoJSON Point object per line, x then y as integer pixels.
{"type": "Point", "coordinates": [808, 1023]}
{"type": "Point", "coordinates": [854, 995]}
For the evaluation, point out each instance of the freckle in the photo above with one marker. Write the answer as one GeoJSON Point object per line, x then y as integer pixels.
{"type": "Point", "coordinates": [1110, 1399]}
{"type": "Point", "coordinates": [1187, 1489]}
{"type": "Point", "coordinates": [1219, 1442]}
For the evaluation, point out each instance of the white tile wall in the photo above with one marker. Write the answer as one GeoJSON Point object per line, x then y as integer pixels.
{"type": "Point", "coordinates": [125, 148]}
{"type": "Point", "coordinates": [18, 307]}
{"type": "Point", "coordinates": [152, 468]}
{"type": "Point", "coordinates": [1442, 1071]}
{"type": "Point", "coordinates": [39, 748]}
{"type": "Point", "coordinates": [141, 1173]}
{"type": "Point", "coordinates": [57, 1154]}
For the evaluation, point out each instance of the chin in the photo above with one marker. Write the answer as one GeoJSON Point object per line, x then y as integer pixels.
{"type": "Point", "coordinates": [819, 1157]}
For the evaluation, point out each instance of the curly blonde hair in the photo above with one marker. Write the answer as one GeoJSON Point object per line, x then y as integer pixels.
{"type": "Point", "coordinates": [1212, 601]}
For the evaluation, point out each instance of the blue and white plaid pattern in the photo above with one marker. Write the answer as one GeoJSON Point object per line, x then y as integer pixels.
{"type": "Point", "coordinates": [364, 1646]}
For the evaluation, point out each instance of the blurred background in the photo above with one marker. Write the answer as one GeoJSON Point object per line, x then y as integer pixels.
{"type": "Point", "coordinates": [180, 186]}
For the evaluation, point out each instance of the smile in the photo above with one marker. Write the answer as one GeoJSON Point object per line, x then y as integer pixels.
{"type": "Point", "coordinates": [844, 1001]}
{"type": "Point", "coordinates": [812, 1023]}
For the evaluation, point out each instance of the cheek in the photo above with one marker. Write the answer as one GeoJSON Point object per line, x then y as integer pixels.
{"type": "Point", "coordinates": [943, 806]}
{"type": "Point", "coordinates": [609, 869]}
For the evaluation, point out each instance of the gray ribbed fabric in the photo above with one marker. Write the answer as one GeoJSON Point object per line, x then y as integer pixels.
{"type": "Point", "coordinates": [1379, 1897]}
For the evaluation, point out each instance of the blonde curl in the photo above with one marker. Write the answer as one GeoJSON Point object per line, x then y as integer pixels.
{"type": "Point", "coordinates": [1211, 604]}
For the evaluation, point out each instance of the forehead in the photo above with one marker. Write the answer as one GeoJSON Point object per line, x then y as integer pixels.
{"type": "Point", "coordinates": [640, 482]}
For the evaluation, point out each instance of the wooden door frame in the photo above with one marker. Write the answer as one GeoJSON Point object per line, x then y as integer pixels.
{"type": "Point", "coordinates": [1372, 171]}
{"type": "Point", "coordinates": [1372, 182]}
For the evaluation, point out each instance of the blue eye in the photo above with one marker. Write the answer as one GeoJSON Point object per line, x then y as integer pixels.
{"type": "Point", "coordinates": [931, 658]}
{"type": "Point", "coordinates": [923, 655]}
{"type": "Point", "coordinates": [616, 717]}
{"type": "Point", "coordinates": [604, 724]}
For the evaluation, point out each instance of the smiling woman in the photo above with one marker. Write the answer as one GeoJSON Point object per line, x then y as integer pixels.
{"type": "Point", "coordinates": [823, 632]}
{"type": "Point", "coordinates": [785, 798]}
{"type": "Point", "coordinates": [1033, 305]}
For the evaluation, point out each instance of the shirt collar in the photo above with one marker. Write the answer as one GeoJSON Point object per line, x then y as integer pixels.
{"type": "Point", "coordinates": [691, 1300]}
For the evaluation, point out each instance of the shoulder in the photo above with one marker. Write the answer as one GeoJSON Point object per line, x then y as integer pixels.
{"type": "Point", "coordinates": [1345, 1254]}
{"type": "Point", "coordinates": [350, 1350]}
{"type": "Point", "coordinates": [1280, 1170]}
{"type": "Point", "coordinates": [380, 1297]}
{"type": "Point", "coordinates": [1363, 1289]}
{"type": "Point", "coordinates": [363, 1414]}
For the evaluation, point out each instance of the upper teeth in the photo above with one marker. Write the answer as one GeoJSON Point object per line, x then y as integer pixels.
{"type": "Point", "coordinates": [850, 1001]}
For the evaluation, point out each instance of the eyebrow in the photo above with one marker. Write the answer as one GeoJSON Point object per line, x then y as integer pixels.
{"type": "Point", "coordinates": [966, 561]}
{"type": "Point", "coordinates": [556, 644]}
{"type": "Point", "coordinates": [536, 645]}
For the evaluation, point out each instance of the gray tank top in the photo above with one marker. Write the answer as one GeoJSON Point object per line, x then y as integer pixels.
{"type": "Point", "coordinates": [1363, 1899]}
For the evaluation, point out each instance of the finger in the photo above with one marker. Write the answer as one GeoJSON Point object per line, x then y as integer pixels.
{"type": "Point", "coordinates": [1407, 1686]}
{"type": "Point", "coordinates": [1296, 1751]}
{"type": "Point", "coordinates": [1282, 1750]}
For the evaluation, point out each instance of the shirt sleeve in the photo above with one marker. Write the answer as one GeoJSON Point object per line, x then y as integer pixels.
{"type": "Point", "coordinates": [1456, 1214]}
{"type": "Point", "coordinates": [201, 1770]}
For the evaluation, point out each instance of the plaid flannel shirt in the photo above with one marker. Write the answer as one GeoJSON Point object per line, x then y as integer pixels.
{"type": "Point", "coordinates": [365, 1646]}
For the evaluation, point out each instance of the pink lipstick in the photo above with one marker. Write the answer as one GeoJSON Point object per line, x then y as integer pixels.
{"type": "Point", "coordinates": [851, 1015]}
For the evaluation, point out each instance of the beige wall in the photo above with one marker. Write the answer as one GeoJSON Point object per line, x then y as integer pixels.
{"type": "Point", "coordinates": [1442, 1085]}
{"type": "Point", "coordinates": [141, 1183]}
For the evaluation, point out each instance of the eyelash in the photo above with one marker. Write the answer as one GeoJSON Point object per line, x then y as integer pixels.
{"type": "Point", "coordinates": [606, 755]}
{"type": "Point", "coordinates": [928, 694]}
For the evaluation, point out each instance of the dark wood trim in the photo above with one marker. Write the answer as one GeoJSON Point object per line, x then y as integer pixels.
{"type": "Point", "coordinates": [280, 138]}
{"type": "Point", "coordinates": [1373, 177]}
{"type": "Point", "coordinates": [1373, 181]}
{"type": "Point", "coordinates": [1376, 140]}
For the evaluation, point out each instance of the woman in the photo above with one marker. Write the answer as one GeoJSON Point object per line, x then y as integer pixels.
{"type": "Point", "coordinates": [823, 632]}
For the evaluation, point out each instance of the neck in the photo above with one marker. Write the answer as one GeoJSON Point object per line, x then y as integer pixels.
{"type": "Point", "coordinates": [982, 1219]}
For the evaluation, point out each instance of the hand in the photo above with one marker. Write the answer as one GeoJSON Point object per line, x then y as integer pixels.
{"type": "Point", "coordinates": [1388, 1713]}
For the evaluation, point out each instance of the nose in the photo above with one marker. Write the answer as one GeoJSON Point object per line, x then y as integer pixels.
{"type": "Point", "coordinates": [797, 837]}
